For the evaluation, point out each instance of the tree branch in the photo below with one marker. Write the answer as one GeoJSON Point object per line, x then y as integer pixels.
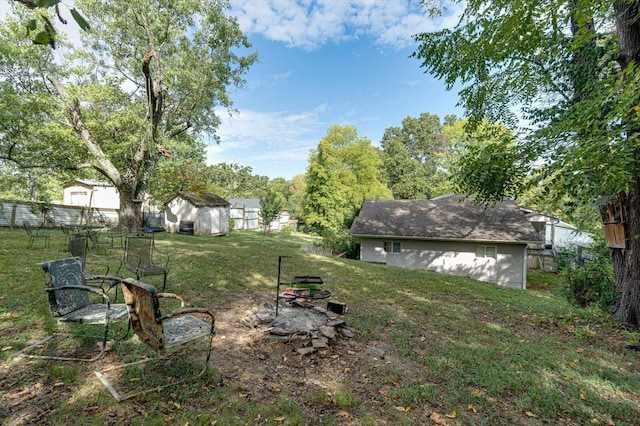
{"type": "Point", "coordinates": [104, 165]}
{"type": "Point", "coordinates": [545, 72]}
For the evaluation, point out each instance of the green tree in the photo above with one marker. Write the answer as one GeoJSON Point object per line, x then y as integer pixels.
{"type": "Point", "coordinates": [486, 162]}
{"type": "Point", "coordinates": [571, 69]}
{"type": "Point", "coordinates": [412, 157]}
{"type": "Point", "coordinates": [343, 171]}
{"type": "Point", "coordinates": [171, 177]}
{"type": "Point", "coordinates": [404, 175]}
{"type": "Point", "coordinates": [236, 181]}
{"type": "Point", "coordinates": [270, 207]}
{"type": "Point", "coordinates": [297, 197]}
{"type": "Point", "coordinates": [149, 84]}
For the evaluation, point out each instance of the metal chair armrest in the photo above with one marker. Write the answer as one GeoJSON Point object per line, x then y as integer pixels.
{"type": "Point", "coordinates": [172, 296]}
{"type": "Point", "coordinates": [87, 288]}
{"type": "Point", "coordinates": [162, 254]}
{"type": "Point", "coordinates": [133, 265]}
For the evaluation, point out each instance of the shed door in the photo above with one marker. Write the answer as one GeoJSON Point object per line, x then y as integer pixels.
{"type": "Point", "coordinates": [204, 220]}
{"type": "Point", "coordinates": [224, 221]}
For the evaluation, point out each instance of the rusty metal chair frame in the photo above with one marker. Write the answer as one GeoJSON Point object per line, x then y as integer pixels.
{"type": "Point", "coordinates": [35, 234]}
{"type": "Point", "coordinates": [164, 333]}
{"type": "Point", "coordinates": [141, 257]}
{"type": "Point", "coordinates": [69, 300]}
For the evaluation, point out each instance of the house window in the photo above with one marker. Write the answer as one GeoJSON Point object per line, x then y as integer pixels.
{"type": "Point", "coordinates": [392, 246]}
{"type": "Point", "coordinates": [487, 251]}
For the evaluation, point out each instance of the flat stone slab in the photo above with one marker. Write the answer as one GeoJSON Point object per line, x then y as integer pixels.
{"type": "Point", "coordinates": [328, 332]}
{"type": "Point", "coordinates": [306, 351]}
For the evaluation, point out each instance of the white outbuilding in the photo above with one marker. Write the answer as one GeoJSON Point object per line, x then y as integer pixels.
{"type": "Point", "coordinates": [197, 213]}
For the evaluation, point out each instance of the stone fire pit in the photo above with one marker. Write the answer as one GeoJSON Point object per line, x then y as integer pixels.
{"type": "Point", "coordinates": [310, 328]}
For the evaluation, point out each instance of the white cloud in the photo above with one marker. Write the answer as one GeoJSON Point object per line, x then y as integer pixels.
{"type": "Point", "coordinates": [273, 140]}
{"type": "Point", "coordinates": [309, 24]}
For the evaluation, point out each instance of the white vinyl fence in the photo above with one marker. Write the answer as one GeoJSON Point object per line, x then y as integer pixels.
{"type": "Point", "coordinates": [14, 213]}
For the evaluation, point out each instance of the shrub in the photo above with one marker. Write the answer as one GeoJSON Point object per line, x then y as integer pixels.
{"type": "Point", "coordinates": [341, 242]}
{"type": "Point", "coordinates": [588, 280]}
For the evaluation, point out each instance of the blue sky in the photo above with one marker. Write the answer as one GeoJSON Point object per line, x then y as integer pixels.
{"type": "Point", "coordinates": [322, 63]}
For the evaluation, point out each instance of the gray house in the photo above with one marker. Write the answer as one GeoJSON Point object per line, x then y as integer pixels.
{"type": "Point", "coordinates": [449, 235]}
{"type": "Point", "coordinates": [203, 213]}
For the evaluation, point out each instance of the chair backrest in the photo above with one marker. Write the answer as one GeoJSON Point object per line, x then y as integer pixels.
{"type": "Point", "coordinates": [144, 312]}
{"type": "Point", "coordinates": [27, 227]}
{"type": "Point", "coordinates": [58, 273]}
{"type": "Point", "coordinates": [78, 246]}
{"type": "Point", "coordinates": [141, 247]}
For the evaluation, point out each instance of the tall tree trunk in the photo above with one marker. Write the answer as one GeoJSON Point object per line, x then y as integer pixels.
{"type": "Point", "coordinates": [626, 262]}
{"type": "Point", "coordinates": [130, 211]}
{"type": "Point", "coordinates": [33, 187]}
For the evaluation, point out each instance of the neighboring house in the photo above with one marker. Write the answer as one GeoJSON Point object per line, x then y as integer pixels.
{"type": "Point", "coordinates": [204, 213]}
{"type": "Point", "coordinates": [245, 213]}
{"type": "Point", "coordinates": [558, 235]}
{"type": "Point", "coordinates": [449, 235]}
{"type": "Point", "coordinates": [91, 193]}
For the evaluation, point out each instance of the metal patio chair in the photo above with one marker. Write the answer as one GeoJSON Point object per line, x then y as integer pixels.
{"type": "Point", "coordinates": [143, 259]}
{"type": "Point", "coordinates": [98, 245]}
{"type": "Point", "coordinates": [70, 303]}
{"type": "Point", "coordinates": [36, 234]}
{"type": "Point", "coordinates": [116, 238]}
{"type": "Point", "coordinates": [96, 269]}
{"type": "Point", "coordinates": [164, 333]}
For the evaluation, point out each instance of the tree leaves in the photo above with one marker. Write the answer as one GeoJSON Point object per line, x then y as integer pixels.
{"type": "Point", "coordinates": [46, 3]}
{"type": "Point", "coordinates": [82, 23]}
{"type": "Point", "coordinates": [342, 172]}
{"type": "Point", "coordinates": [489, 165]}
{"type": "Point", "coordinates": [412, 157]}
{"type": "Point", "coordinates": [555, 65]}
{"type": "Point", "coordinates": [49, 35]}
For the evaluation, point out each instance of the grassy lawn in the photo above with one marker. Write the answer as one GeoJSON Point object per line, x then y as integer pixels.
{"type": "Point", "coordinates": [428, 348]}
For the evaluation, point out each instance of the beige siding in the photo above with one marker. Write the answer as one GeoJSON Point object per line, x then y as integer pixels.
{"type": "Point", "coordinates": [507, 269]}
{"type": "Point", "coordinates": [104, 197]}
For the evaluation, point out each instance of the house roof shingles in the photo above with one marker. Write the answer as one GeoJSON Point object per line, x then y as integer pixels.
{"type": "Point", "coordinates": [448, 217]}
{"type": "Point", "coordinates": [204, 199]}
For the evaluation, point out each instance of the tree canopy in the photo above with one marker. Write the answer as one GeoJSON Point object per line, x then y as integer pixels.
{"type": "Point", "coordinates": [550, 69]}
{"type": "Point", "coordinates": [412, 157]}
{"type": "Point", "coordinates": [144, 89]}
{"type": "Point", "coordinates": [343, 170]}
{"type": "Point", "coordinates": [566, 73]}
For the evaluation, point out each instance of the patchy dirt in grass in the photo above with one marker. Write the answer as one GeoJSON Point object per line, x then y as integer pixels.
{"type": "Point", "coordinates": [256, 368]}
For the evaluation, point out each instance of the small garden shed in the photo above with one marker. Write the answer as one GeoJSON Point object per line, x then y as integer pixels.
{"type": "Point", "coordinates": [203, 213]}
